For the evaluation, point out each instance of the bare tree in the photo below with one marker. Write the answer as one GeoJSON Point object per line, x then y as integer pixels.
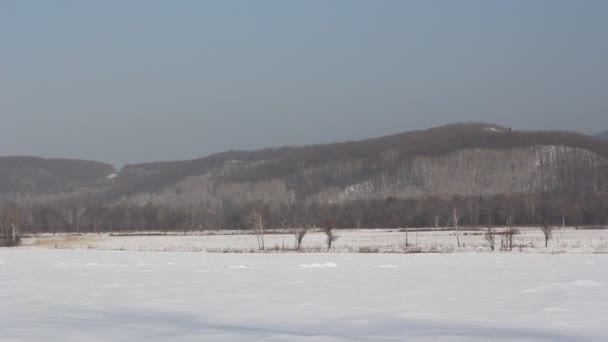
{"type": "Point", "coordinates": [73, 217]}
{"type": "Point", "coordinates": [509, 233]}
{"type": "Point", "coordinates": [256, 220]}
{"type": "Point", "coordinates": [530, 202]}
{"type": "Point", "coordinates": [490, 238]}
{"type": "Point", "coordinates": [299, 234]}
{"type": "Point", "coordinates": [547, 232]}
{"type": "Point", "coordinates": [436, 219]}
{"type": "Point", "coordinates": [455, 219]}
{"type": "Point", "coordinates": [12, 219]}
{"type": "Point", "coordinates": [331, 236]}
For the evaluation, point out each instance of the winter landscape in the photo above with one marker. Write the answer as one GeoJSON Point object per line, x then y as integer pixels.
{"type": "Point", "coordinates": [101, 295]}
{"type": "Point", "coordinates": [303, 171]}
{"type": "Point", "coordinates": [406, 241]}
{"type": "Point", "coordinates": [371, 287]}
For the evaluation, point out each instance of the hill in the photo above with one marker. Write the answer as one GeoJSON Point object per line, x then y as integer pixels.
{"type": "Point", "coordinates": [461, 159]}
{"type": "Point", "coordinates": [468, 173]}
{"type": "Point", "coordinates": [24, 177]}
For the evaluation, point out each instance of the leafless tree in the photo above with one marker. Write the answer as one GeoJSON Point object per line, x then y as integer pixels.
{"type": "Point", "coordinates": [12, 219]}
{"type": "Point", "coordinates": [547, 232]}
{"type": "Point", "coordinates": [299, 234]}
{"type": "Point", "coordinates": [328, 229]}
{"type": "Point", "coordinates": [509, 233]}
{"type": "Point", "coordinates": [490, 237]}
{"type": "Point", "coordinates": [530, 202]}
{"type": "Point", "coordinates": [436, 219]}
{"type": "Point", "coordinates": [256, 220]}
{"type": "Point", "coordinates": [455, 219]}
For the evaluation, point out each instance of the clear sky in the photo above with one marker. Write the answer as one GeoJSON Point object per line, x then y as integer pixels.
{"type": "Point", "coordinates": [130, 81]}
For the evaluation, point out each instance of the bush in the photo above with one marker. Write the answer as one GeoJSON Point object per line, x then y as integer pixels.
{"type": "Point", "coordinates": [368, 249]}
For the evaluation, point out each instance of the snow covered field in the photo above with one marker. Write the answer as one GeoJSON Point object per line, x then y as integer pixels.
{"type": "Point", "coordinates": [566, 240]}
{"type": "Point", "coordinates": [95, 295]}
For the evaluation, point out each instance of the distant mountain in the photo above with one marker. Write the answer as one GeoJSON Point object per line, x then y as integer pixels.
{"type": "Point", "coordinates": [470, 159]}
{"type": "Point", "coordinates": [31, 177]}
{"type": "Point", "coordinates": [603, 135]}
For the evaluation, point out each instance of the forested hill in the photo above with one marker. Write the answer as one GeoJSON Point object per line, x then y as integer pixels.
{"type": "Point", "coordinates": [603, 135]}
{"type": "Point", "coordinates": [486, 173]}
{"type": "Point", "coordinates": [459, 159]}
{"type": "Point", "coordinates": [27, 177]}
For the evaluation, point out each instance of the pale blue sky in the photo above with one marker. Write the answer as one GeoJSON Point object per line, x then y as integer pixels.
{"type": "Point", "coordinates": [130, 81]}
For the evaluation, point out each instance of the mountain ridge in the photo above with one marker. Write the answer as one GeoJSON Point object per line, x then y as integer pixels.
{"type": "Point", "coordinates": [602, 135]}
{"type": "Point", "coordinates": [31, 174]}
{"type": "Point", "coordinates": [479, 173]}
{"type": "Point", "coordinates": [404, 165]}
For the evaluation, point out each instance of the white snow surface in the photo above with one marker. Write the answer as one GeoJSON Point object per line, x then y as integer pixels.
{"type": "Point", "coordinates": [103, 295]}
{"type": "Point", "coordinates": [529, 240]}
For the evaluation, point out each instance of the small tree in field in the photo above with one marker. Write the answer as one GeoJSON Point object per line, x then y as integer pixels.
{"type": "Point", "coordinates": [509, 233]}
{"type": "Point", "coordinates": [299, 234]}
{"type": "Point", "coordinates": [256, 220]}
{"type": "Point", "coordinates": [436, 219]}
{"type": "Point", "coordinates": [455, 219]}
{"type": "Point", "coordinates": [490, 237]}
{"type": "Point", "coordinates": [328, 229]}
{"type": "Point", "coordinates": [12, 220]}
{"type": "Point", "coordinates": [547, 232]}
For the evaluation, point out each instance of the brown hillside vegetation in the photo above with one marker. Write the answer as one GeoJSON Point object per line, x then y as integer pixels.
{"type": "Point", "coordinates": [34, 175]}
{"type": "Point", "coordinates": [308, 169]}
{"type": "Point", "coordinates": [481, 174]}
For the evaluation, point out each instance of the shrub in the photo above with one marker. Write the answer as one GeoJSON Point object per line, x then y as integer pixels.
{"type": "Point", "coordinates": [369, 249]}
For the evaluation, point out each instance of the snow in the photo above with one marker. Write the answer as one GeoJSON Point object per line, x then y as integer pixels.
{"type": "Point", "coordinates": [237, 266]}
{"type": "Point", "coordinates": [493, 130]}
{"type": "Point", "coordinates": [317, 265]}
{"type": "Point", "coordinates": [112, 176]}
{"type": "Point", "coordinates": [565, 240]}
{"type": "Point", "coordinates": [102, 295]}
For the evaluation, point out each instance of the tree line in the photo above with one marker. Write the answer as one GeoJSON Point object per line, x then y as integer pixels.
{"type": "Point", "coordinates": [499, 210]}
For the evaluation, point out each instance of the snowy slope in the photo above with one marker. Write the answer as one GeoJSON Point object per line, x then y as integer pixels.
{"type": "Point", "coordinates": [87, 295]}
